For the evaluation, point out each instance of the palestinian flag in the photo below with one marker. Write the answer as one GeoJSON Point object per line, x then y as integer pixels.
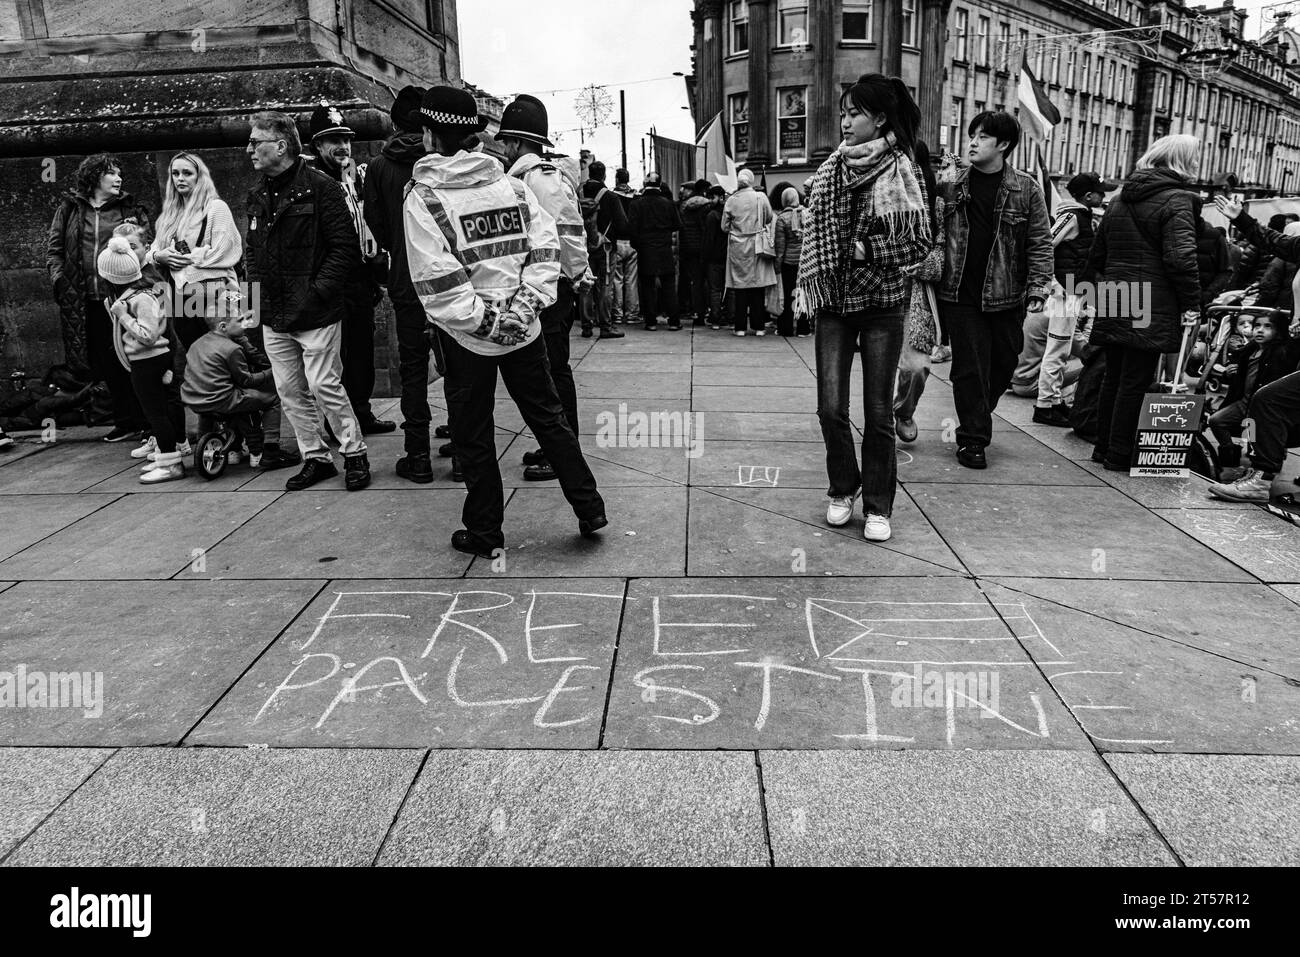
{"type": "Point", "coordinates": [1035, 108]}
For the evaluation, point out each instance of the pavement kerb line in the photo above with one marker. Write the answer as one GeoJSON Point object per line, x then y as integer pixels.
{"type": "Point", "coordinates": [558, 748]}
{"type": "Point", "coordinates": [180, 742]}
{"type": "Point", "coordinates": [1070, 711]}
{"type": "Point", "coordinates": [613, 665]}
{"type": "Point", "coordinates": [672, 483]}
{"type": "Point", "coordinates": [762, 807]}
{"type": "Point", "coordinates": [401, 806]}
{"type": "Point", "coordinates": [1143, 631]}
{"type": "Point", "coordinates": [117, 497]}
{"type": "Point", "coordinates": [237, 528]}
{"type": "Point", "coordinates": [112, 753]}
{"type": "Point", "coordinates": [712, 490]}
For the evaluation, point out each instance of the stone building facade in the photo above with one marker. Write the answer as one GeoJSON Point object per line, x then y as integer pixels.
{"type": "Point", "coordinates": [145, 80]}
{"type": "Point", "coordinates": [1116, 94]}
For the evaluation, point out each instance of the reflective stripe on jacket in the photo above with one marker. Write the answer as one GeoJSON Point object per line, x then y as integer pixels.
{"type": "Point", "coordinates": [559, 197]}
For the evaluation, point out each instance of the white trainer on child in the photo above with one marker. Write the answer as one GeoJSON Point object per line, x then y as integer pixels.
{"type": "Point", "coordinates": [150, 444]}
{"type": "Point", "coordinates": [167, 468]}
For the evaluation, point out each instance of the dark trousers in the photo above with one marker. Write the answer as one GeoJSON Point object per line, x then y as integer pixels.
{"type": "Point", "coordinates": [716, 274]}
{"type": "Point", "coordinates": [878, 338]}
{"type": "Point", "coordinates": [693, 284]}
{"type": "Point", "coordinates": [656, 292]}
{"type": "Point", "coordinates": [985, 349]}
{"type": "Point", "coordinates": [1276, 411]}
{"type": "Point", "coordinates": [785, 324]}
{"type": "Point", "coordinates": [413, 367]}
{"type": "Point", "coordinates": [357, 344]}
{"type": "Point", "coordinates": [1087, 393]}
{"type": "Point", "coordinates": [557, 321]}
{"type": "Point", "coordinates": [1129, 375]}
{"type": "Point", "coordinates": [160, 402]}
{"type": "Point", "coordinates": [597, 301]}
{"type": "Point", "coordinates": [471, 395]}
{"type": "Point", "coordinates": [107, 368]}
{"type": "Point", "coordinates": [749, 305]}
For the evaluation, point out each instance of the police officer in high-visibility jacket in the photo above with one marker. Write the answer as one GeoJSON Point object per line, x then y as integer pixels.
{"type": "Point", "coordinates": [554, 181]}
{"type": "Point", "coordinates": [485, 261]}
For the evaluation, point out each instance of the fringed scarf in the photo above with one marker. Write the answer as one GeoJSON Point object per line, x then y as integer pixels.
{"type": "Point", "coordinates": [892, 204]}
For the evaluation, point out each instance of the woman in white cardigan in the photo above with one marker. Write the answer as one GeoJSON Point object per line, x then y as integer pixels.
{"type": "Point", "coordinates": [195, 239]}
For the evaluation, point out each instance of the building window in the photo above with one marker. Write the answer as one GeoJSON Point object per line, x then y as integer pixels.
{"type": "Point", "coordinates": [962, 29]}
{"type": "Point", "coordinates": [1087, 72]}
{"type": "Point", "coordinates": [1096, 77]}
{"type": "Point", "coordinates": [1038, 56]}
{"type": "Point", "coordinates": [739, 126]}
{"type": "Point", "coordinates": [433, 17]}
{"type": "Point", "coordinates": [1004, 44]}
{"type": "Point", "coordinates": [982, 56]}
{"type": "Point", "coordinates": [792, 122]}
{"type": "Point", "coordinates": [856, 21]}
{"type": "Point", "coordinates": [792, 22]}
{"type": "Point", "coordinates": [1123, 83]}
{"type": "Point", "coordinates": [739, 18]}
{"type": "Point", "coordinates": [909, 23]}
{"type": "Point", "coordinates": [1071, 64]}
{"type": "Point", "coordinates": [1110, 80]}
{"type": "Point", "coordinates": [1056, 66]}
{"type": "Point", "coordinates": [1162, 90]}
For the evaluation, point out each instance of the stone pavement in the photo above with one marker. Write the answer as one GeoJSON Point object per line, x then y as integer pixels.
{"type": "Point", "coordinates": [1048, 664]}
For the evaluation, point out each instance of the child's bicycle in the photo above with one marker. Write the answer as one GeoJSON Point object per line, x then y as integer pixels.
{"type": "Point", "coordinates": [219, 438]}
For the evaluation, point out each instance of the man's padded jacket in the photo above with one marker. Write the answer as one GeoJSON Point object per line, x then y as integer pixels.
{"type": "Point", "coordinates": [480, 248]}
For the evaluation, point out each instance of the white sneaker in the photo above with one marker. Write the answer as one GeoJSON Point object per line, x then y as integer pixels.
{"type": "Point", "coordinates": [254, 460]}
{"type": "Point", "coordinates": [876, 529]}
{"type": "Point", "coordinates": [761, 332]}
{"type": "Point", "coordinates": [147, 446]}
{"type": "Point", "coordinates": [840, 510]}
{"type": "Point", "coordinates": [739, 332]}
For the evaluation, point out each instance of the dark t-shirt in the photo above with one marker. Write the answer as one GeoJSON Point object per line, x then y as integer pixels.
{"type": "Point", "coordinates": [983, 188]}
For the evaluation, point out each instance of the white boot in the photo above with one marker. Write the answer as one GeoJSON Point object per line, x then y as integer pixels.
{"type": "Point", "coordinates": [167, 468]}
{"type": "Point", "coordinates": [147, 449]}
{"type": "Point", "coordinates": [184, 450]}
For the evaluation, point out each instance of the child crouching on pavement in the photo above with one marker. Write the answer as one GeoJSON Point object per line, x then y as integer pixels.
{"type": "Point", "coordinates": [226, 377]}
{"type": "Point", "coordinates": [136, 305]}
{"type": "Point", "coordinates": [1271, 354]}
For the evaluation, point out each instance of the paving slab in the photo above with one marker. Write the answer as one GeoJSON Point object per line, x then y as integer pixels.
{"type": "Point", "coordinates": [34, 781]}
{"type": "Point", "coordinates": [770, 360]}
{"type": "Point", "coordinates": [747, 531]}
{"type": "Point", "coordinates": [139, 536]}
{"type": "Point", "coordinates": [731, 464]}
{"type": "Point", "coordinates": [67, 467]}
{"type": "Point", "coordinates": [1219, 810]}
{"type": "Point", "coordinates": [26, 519]}
{"type": "Point", "coordinates": [234, 477]}
{"type": "Point", "coordinates": [646, 385]}
{"type": "Point", "coordinates": [1290, 591]}
{"type": "Point", "coordinates": [611, 466]}
{"type": "Point", "coordinates": [631, 808]}
{"type": "Point", "coordinates": [432, 663]}
{"type": "Point", "coordinates": [926, 808]}
{"type": "Point", "coordinates": [725, 340]}
{"type": "Point", "coordinates": [371, 534]}
{"type": "Point", "coordinates": [640, 364]}
{"type": "Point", "coordinates": [992, 530]}
{"type": "Point", "coordinates": [1131, 691]}
{"type": "Point", "coordinates": [766, 376]}
{"type": "Point", "coordinates": [826, 663]}
{"type": "Point", "coordinates": [1014, 459]}
{"type": "Point", "coordinates": [157, 655]}
{"type": "Point", "coordinates": [646, 535]}
{"type": "Point", "coordinates": [1262, 544]}
{"type": "Point", "coordinates": [604, 413]}
{"type": "Point", "coordinates": [935, 413]}
{"type": "Point", "coordinates": [739, 398]}
{"type": "Point", "coordinates": [1240, 622]}
{"type": "Point", "coordinates": [1164, 493]}
{"type": "Point", "coordinates": [217, 807]}
{"type": "Point", "coordinates": [761, 427]}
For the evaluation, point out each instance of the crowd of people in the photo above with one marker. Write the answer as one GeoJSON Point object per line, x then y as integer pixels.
{"type": "Point", "coordinates": [886, 253]}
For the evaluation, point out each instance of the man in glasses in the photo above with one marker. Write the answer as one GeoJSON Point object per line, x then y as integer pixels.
{"type": "Point", "coordinates": [300, 248]}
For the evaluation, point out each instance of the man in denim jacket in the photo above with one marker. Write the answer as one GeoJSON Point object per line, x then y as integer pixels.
{"type": "Point", "coordinates": [997, 264]}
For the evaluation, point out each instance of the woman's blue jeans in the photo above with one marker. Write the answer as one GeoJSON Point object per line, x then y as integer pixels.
{"type": "Point", "coordinates": [878, 337]}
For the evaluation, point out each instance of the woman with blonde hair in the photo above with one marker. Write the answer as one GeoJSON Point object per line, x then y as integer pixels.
{"type": "Point", "coordinates": [1145, 244]}
{"type": "Point", "coordinates": [790, 224]}
{"type": "Point", "coordinates": [195, 239]}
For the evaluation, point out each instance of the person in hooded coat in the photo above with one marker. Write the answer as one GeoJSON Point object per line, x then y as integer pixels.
{"type": "Point", "coordinates": [746, 214]}
{"type": "Point", "coordinates": [1146, 242]}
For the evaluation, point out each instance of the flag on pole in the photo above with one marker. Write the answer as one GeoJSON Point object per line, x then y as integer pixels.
{"type": "Point", "coordinates": [1035, 107]}
{"type": "Point", "coordinates": [1045, 180]}
{"type": "Point", "coordinates": [712, 161]}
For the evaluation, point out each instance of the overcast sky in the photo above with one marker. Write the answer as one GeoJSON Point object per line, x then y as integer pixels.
{"type": "Point", "coordinates": [537, 46]}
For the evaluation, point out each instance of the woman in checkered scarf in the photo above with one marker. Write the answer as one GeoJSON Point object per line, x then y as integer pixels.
{"type": "Point", "coordinates": [868, 221]}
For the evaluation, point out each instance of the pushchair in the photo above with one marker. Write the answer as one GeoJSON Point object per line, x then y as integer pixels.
{"type": "Point", "coordinates": [1199, 371]}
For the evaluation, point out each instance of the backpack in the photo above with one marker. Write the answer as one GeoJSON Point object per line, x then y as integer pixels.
{"type": "Point", "coordinates": [590, 207]}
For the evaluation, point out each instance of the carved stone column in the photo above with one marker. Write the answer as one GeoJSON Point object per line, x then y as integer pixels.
{"type": "Point", "coordinates": [891, 36]}
{"type": "Point", "coordinates": [708, 60]}
{"type": "Point", "coordinates": [760, 95]}
{"type": "Point", "coordinates": [823, 101]}
{"type": "Point", "coordinates": [929, 87]}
